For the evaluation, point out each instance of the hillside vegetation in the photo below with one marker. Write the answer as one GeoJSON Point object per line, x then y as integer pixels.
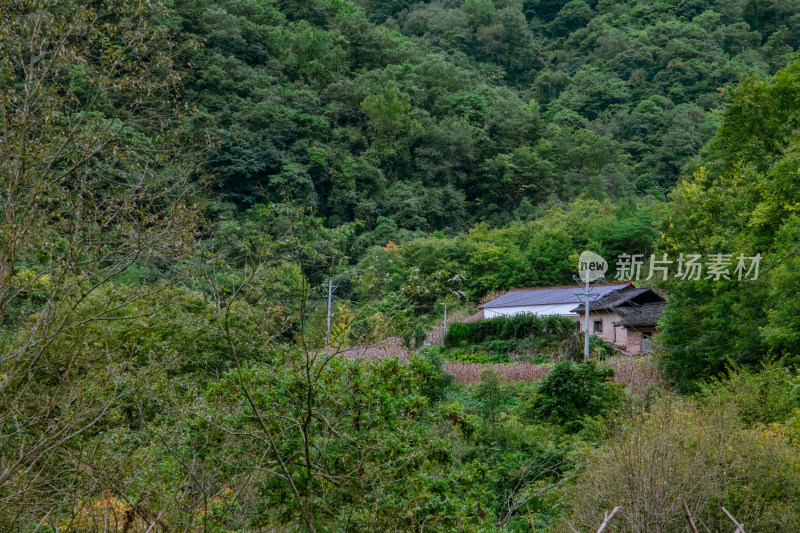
{"type": "Point", "coordinates": [423, 116]}
{"type": "Point", "coordinates": [186, 182]}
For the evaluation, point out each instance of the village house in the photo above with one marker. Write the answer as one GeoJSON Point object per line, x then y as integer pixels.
{"type": "Point", "coordinates": [622, 314]}
{"type": "Point", "coordinates": [626, 317]}
{"type": "Point", "coordinates": [544, 301]}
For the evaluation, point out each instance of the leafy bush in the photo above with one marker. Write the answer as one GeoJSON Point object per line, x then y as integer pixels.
{"type": "Point", "coordinates": [766, 397]}
{"type": "Point", "coordinates": [436, 385]}
{"type": "Point", "coordinates": [477, 357]}
{"type": "Point", "coordinates": [573, 391]}
{"type": "Point", "coordinates": [491, 395]}
{"type": "Point", "coordinates": [550, 330]}
{"type": "Point", "coordinates": [601, 347]}
{"type": "Point", "coordinates": [499, 346]}
{"type": "Point", "coordinates": [414, 337]}
{"type": "Point", "coordinates": [697, 450]}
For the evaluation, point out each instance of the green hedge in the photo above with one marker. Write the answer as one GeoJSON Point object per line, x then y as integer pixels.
{"type": "Point", "coordinates": [550, 329]}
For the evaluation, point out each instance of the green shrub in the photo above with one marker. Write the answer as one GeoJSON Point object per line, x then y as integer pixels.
{"type": "Point", "coordinates": [499, 346]}
{"type": "Point", "coordinates": [573, 391]}
{"type": "Point", "coordinates": [435, 387]}
{"type": "Point", "coordinates": [414, 336]}
{"type": "Point", "coordinates": [765, 397]}
{"type": "Point", "coordinates": [699, 451]}
{"type": "Point", "coordinates": [601, 347]}
{"type": "Point", "coordinates": [477, 357]}
{"type": "Point", "coordinates": [491, 395]}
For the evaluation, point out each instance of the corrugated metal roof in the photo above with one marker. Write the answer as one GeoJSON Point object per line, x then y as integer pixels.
{"type": "Point", "coordinates": [550, 295]}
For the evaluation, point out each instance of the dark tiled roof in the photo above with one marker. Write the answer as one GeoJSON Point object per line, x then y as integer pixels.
{"type": "Point", "coordinates": [614, 299]}
{"type": "Point", "coordinates": [644, 315]}
{"type": "Point", "coordinates": [550, 295]}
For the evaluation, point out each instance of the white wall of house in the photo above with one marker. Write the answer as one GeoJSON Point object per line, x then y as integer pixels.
{"type": "Point", "coordinates": [538, 310]}
{"type": "Point", "coordinates": [610, 331]}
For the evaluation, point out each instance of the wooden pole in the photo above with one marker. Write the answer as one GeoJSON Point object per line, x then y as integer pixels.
{"type": "Point", "coordinates": [739, 527]}
{"type": "Point", "coordinates": [688, 516]}
{"type": "Point", "coordinates": [607, 518]}
{"type": "Point", "coordinates": [705, 527]}
{"type": "Point", "coordinates": [530, 517]}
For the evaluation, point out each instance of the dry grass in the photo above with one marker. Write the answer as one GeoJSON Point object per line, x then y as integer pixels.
{"type": "Point", "coordinates": [520, 372]}
{"type": "Point", "coordinates": [383, 349]}
{"type": "Point", "coordinates": [637, 373]}
{"type": "Point", "coordinates": [393, 346]}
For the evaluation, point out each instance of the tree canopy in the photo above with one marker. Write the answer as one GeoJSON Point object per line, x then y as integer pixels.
{"type": "Point", "coordinates": [740, 198]}
{"type": "Point", "coordinates": [439, 115]}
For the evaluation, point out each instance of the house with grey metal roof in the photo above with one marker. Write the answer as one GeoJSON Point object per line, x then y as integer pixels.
{"type": "Point", "coordinates": [545, 301]}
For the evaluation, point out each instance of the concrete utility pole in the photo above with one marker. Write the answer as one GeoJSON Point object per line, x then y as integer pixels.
{"type": "Point", "coordinates": [586, 324]}
{"type": "Point", "coordinates": [586, 296]}
{"type": "Point", "coordinates": [591, 267]}
{"type": "Point", "coordinates": [445, 315]}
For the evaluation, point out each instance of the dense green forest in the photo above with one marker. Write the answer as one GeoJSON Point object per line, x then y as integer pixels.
{"type": "Point", "coordinates": [436, 115]}
{"type": "Point", "coordinates": [185, 183]}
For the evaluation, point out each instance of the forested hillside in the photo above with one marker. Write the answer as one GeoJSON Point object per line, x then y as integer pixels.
{"type": "Point", "coordinates": [234, 233]}
{"type": "Point", "coordinates": [436, 115]}
{"type": "Point", "coordinates": [741, 197]}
